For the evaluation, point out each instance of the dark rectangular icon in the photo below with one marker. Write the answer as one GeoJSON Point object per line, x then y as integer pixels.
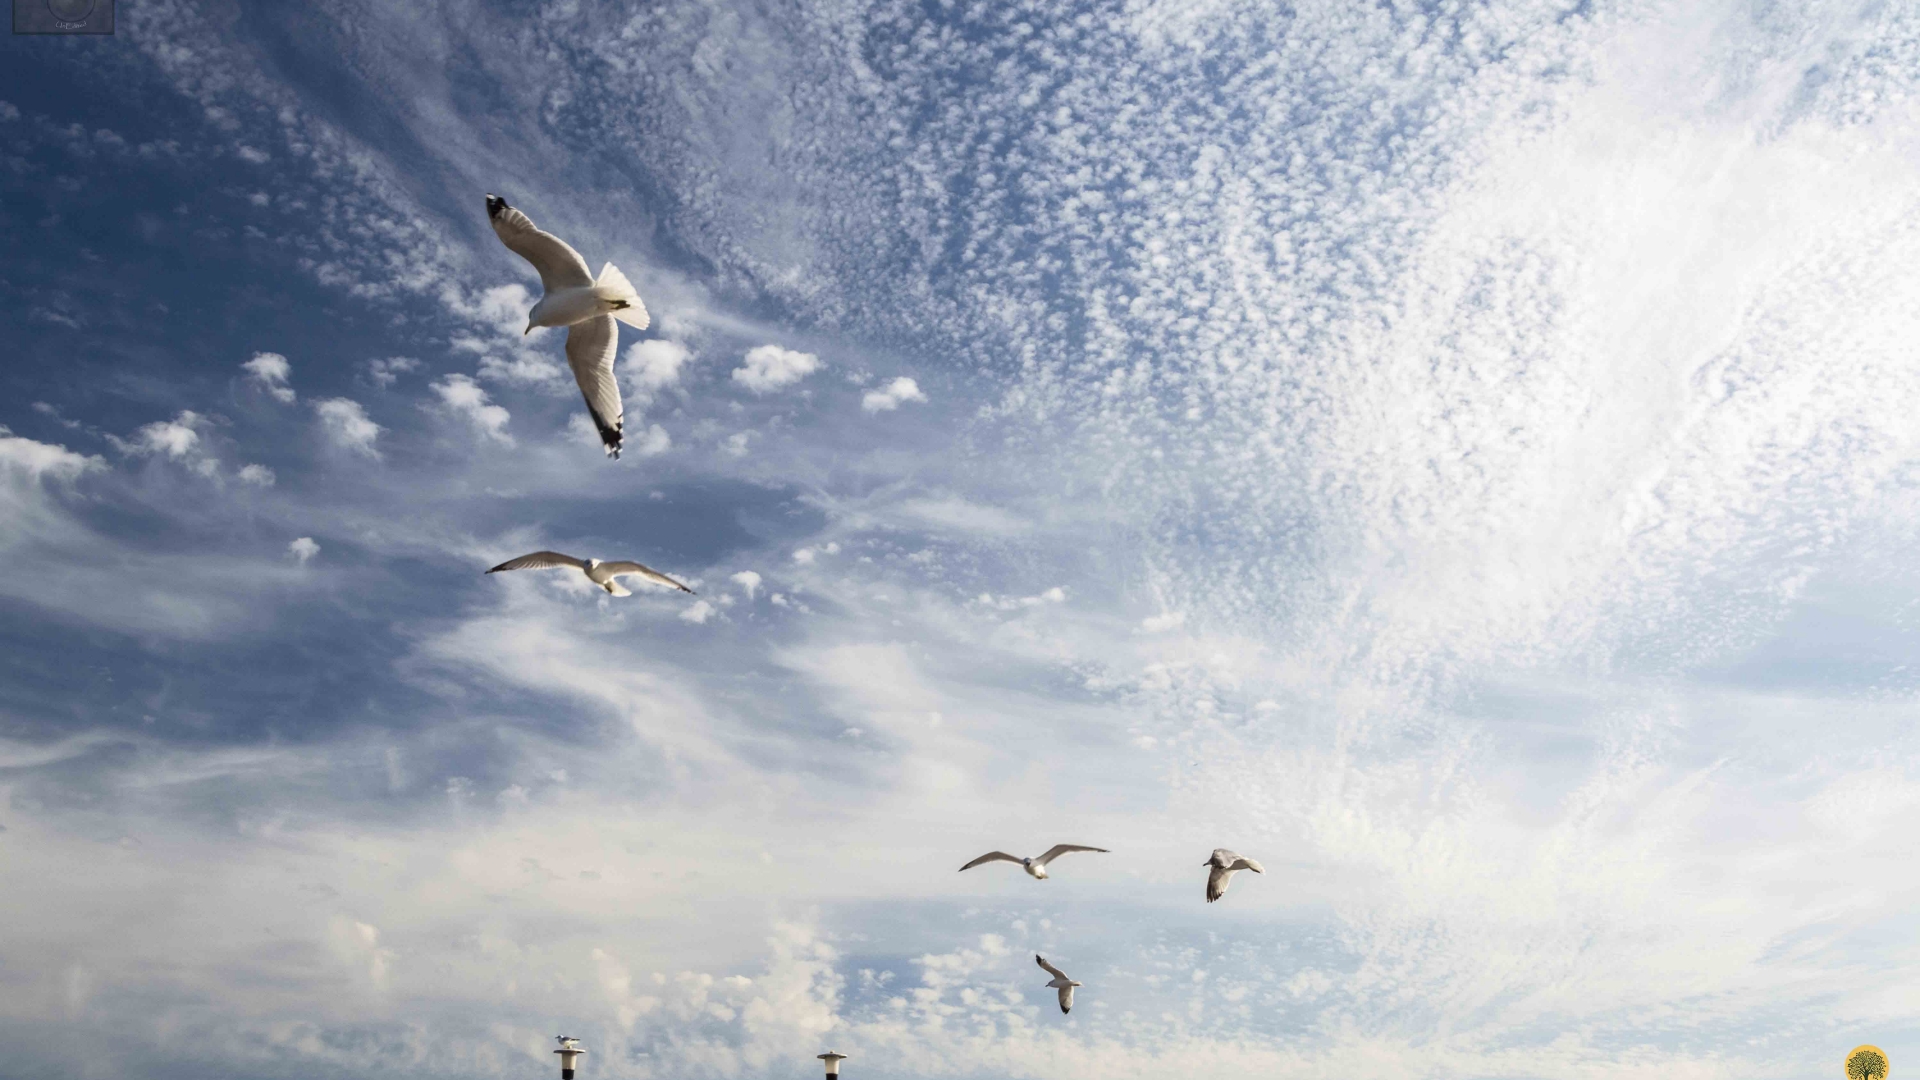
{"type": "Point", "coordinates": [63, 16]}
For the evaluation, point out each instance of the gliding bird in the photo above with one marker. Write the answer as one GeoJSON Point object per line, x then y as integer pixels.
{"type": "Point", "coordinates": [1035, 867]}
{"type": "Point", "coordinates": [586, 305]}
{"type": "Point", "coordinates": [600, 573]}
{"type": "Point", "coordinates": [1224, 863]}
{"type": "Point", "coordinates": [1060, 982]}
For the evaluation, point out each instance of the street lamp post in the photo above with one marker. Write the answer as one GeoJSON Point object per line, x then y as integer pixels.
{"type": "Point", "coordinates": [569, 1053]}
{"type": "Point", "coordinates": [833, 1061]}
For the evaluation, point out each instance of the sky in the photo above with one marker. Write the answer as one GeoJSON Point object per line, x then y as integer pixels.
{"type": "Point", "coordinates": [1460, 455]}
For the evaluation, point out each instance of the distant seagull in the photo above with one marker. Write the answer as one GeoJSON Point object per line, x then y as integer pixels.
{"type": "Point", "coordinates": [600, 573]}
{"type": "Point", "coordinates": [567, 1042]}
{"type": "Point", "coordinates": [1035, 867]}
{"type": "Point", "coordinates": [1224, 863]}
{"type": "Point", "coordinates": [585, 304]}
{"type": "Point", "coordinates": [1060, 982]}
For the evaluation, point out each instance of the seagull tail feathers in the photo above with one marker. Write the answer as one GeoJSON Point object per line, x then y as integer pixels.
{"type": "Point", "coordinates": [622, 301]}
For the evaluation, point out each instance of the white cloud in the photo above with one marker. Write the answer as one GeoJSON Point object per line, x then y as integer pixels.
{"type": "Point", "coordinates": [697, 612]}
{"type": "Point", "coordinates": [47, 410]}
{"type": "Point", "coordinates": [303, 549]}
{"type": "Point", "coordinates": [463, 397]}
{"type": "Point", "coordinates": [748, 581]}
{"type": "Point", "coordinates": [32, 460]}
{"type": "Point", "coordinates": [257, 475]}
{"type": "Point", "coordinates": [347, 425]}
{"type": "Point", "coordinates": [1055, 595]}
{"type": "Point", "coordinates": [271, 371]}
{"type": "Point", "coordinates": [654, 441]}
{"type": "Point", "coordinates": [899, 390]}
{"type": "Point", "coordinates": [654, 364]}
{"type": "Point", "coordinates": [385, 371]}
{"type": "Point", "coordinates": [1154, 624]}
{"type": "Point", "coordinates": [735, 445]}
{"type": "Point", "coordinates": [177, 438]}
{"type": "Point", "coordinates": [770, 367]}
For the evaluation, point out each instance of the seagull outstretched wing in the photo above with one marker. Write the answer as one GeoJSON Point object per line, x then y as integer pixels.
{"type": "Point", "coordinates": [992, 856]}
{"type": "Point", "coordinates": [1049, 968]}
{"type": "Point", "coordinates": [1058, 850]}
{"type": "Point", "coordinates": [1217, 880]}
{"type": "Point", "coordinates": [559, 265]}
{"type": "Point", "coordinates": [540, 560]}
{"type": "Point", "coordinates": [591, 345]}
{"type": "Point", "coordinates": [621, 569]}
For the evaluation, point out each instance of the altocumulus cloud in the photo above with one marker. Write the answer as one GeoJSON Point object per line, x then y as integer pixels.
{"type": "Point", "coordinates": [303, 549]}
{"type": "Point", "coordinates": [892, 396]}
{"type": "Point", "coordinates": [653, 365]}
{"type": "Point", "coordinates": [272, 372]}
{"type": "Point", "coordinates": [770, 367]}
{"type": "Point", "coordinates": [347, 426]}
{"type": "Point", "coordinates": [463, 397]}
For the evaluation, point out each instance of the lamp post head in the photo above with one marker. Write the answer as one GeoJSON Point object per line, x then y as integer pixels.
{"type": "Point", "coordinates": [569, 1054]}
{"type": "Point", "coordinates": [833, 1061]}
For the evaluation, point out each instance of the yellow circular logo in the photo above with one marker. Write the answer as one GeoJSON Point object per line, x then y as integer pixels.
{"type": "Point", "coordinates": [1867, 1063]}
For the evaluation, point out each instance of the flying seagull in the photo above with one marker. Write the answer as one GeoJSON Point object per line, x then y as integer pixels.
{"type": "Point", "coordinates": [1035, 867]}
{"type": "Point", "coordinates": [582, 303]}
{"type": "Point", "coordinates": [1060, 982]}
{"type": "Point", "coordinates": [600, 573]}
{"type": "Point", "coordinates": [1224, 863]}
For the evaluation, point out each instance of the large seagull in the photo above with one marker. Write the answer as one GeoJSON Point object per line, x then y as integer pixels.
{"type": "Point", "coordinates": [582, 303]}
{"type": "Point", "coordinates": [604, 574]}
{"type": "Point", "coordinates": [1222, 865]}
{"type": "Point", "coordinates": [1060, 982]}
{"type": "Point", "coordinates": [1036, 868]}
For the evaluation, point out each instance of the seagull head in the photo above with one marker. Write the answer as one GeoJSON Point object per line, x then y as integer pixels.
{"type": "Point", "coordinates": [591, 563]}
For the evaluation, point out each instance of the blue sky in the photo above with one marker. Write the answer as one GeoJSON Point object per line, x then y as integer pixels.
{"type": "Point", "coordinates": [1461, 455]}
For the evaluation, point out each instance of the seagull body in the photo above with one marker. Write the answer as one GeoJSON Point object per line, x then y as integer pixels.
{"type": "Point", "coordinates": [586, 305]}
{"type": "Point", "coordinates": [603, 574]}
{"type": "Point", "coordinates": [1036, 868]}
{"type": "Point", "coordinates": [1060, 982]}
{"type": "Point", "coordinates": [1223, 864]}
{"type": "Point", "coordinates": [567, 1042]}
